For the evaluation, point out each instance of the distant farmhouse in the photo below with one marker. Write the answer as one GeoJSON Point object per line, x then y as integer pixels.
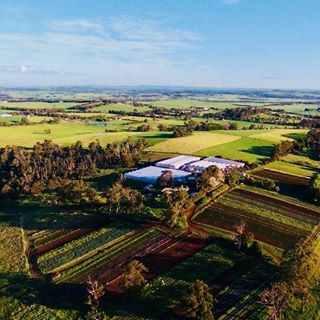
{"type": "Point", "coordinates": [182, 167]}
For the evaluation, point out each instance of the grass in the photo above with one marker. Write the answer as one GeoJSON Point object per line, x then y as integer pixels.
{"type": "Point", "coordinates": [275, 136]}
{"type": "Point", "coordinates": [37, 105]}
{"type": "Point", "coordinates": [66, 132]}
{"type": "Point", "coordinates": [12, 258]}
{"type": "Point", "coordinates": [193, 143]}
{"type": "Point", "coordinates": [295, 165]}
{"type": "Point", "coordinates": [244, 149]}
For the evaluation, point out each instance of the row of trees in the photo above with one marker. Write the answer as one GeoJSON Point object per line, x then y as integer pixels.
{"type": "Point", "coordinates": [295, 291]}
{"type": "Point", "coordinates": [23, 171]}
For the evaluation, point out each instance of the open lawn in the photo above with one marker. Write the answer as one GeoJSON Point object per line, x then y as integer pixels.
{"type": "Point", "coordinates": [193, 143]}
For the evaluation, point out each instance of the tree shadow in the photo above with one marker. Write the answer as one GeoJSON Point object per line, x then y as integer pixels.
{"type": "Point", "coordinates": [31, 291]}
{"type": "Point", "coordinates": [264, 151]}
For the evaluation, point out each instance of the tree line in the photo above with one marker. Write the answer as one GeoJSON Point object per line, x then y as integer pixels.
{"type": "Point", "coordinates": [22, 170]}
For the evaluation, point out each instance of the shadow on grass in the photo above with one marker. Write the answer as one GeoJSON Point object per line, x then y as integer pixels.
{"type": "Point", "coordinates": [264, 151]}
{"type": "Point", "coordinates": [37, 291]}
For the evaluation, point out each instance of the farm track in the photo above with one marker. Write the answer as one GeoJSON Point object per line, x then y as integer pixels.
{"type": "Point", "coordinates": [282, 177]}
{"type": "Point", "coordinates": [278, 203]}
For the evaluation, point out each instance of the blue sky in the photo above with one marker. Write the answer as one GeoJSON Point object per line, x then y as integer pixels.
{"type": "Point", "coordinates": [212, 43]}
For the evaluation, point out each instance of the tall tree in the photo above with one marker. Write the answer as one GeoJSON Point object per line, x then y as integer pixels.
{"type": "Point", "coordinates": [177, 204]}
{"type": "Point", "coordinates": [243, 238]}
{"type": "Point", "coordinates": [133, 279]}
{"type": "Point", "coordinates": [165, 179]}
{"type": "Point", "coordinates": [95, 291]}
{"type": "Point", "coordinates": [198, 303]}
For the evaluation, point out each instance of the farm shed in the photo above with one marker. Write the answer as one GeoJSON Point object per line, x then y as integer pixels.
{"type": "Point", "coordinates": [222, 164]}
{"type": "Point", "coordinates": [152, 173]}
{"type": "Point", "coordinates": [177, 162]}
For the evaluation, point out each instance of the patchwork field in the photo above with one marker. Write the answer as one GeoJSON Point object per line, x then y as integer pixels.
{"type": "Point", "coordinates": [192, 144]}
{"type": "Point", "coordinates": [274, 220]}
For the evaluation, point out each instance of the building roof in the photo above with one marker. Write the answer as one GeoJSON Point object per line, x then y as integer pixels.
{"type": "Point", "coordinates": [177, 162]}
{"type": "Point", "coordinates": [151, 174]}
{"type": "Point", "coordinates": [222, 164]}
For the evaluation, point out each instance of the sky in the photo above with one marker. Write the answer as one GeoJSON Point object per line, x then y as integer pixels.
{"type": "Point", "coordinates": [198, 43]}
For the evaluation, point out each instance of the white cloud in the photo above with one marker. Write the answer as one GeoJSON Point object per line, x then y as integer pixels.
{"type": "Point", "coordinates": [122, 50]}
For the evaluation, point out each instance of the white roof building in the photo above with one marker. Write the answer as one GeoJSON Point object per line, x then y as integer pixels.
{"type": "Point", "coordinates": [222, 164]}
{"type": "Point", "coordinates": [177, 162]}
{"type": "Point", "coordinates": [152, 173]}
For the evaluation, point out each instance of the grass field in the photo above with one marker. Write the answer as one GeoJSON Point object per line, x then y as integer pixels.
{"type": "Point", "coordinates": [12, 257]}
{"type": "Point", "coordinates": [275, 136]}
{"type": "Point", "coordinates": [66, 132]}
{"type": "Point", "coordinates": [296, 165]}
{"type": "Point", "coordinates": [37, 105]}
{"type": "Point", "coordinates": [245, 149]}
{"type": "Point", "coordinates": [193, 143]}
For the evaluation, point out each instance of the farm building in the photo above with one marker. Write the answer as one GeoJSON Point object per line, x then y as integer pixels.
{"type": "Point", "coordinates": [152, 173]}
{"type": "Point", "coordinates": [222, 164]}
{"type": "Point", "coordinates": [177, 162]}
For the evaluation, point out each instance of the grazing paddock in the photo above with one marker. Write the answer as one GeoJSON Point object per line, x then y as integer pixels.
{"type": "Point", "coordinates": [244, 149]}
{"type": "Point", "coordinates": [192, 144]}
{"type": "Point", "coordinates": [278, 135]}
{"type": "Point", "coordinates": [64, 133]}
{"type": "Point", "coordinates": [295, 165]}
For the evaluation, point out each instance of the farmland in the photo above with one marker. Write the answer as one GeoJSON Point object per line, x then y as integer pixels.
{"type": "Point", "coordinates": [192, 144]}
{"type": "Point", "coordinates": [51, 248]}
{"type": "Point", "coordinates": [274, 221]}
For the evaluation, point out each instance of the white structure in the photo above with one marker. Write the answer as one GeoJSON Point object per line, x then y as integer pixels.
{"type": "Point", "coordinates": [222, 164]}
{"type": "Point", "coordinates": [5, 115]}
{"type": "Point", "coordinates": [177, 162]}
{"type": "Point", "coordinates": [152, 173]}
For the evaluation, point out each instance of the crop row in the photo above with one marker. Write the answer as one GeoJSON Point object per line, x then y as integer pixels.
{"type": "Point", "coordinates": [283, 215]}
{"type": "Point", "coordinates": [82, 270]}
{"type": "Point", "coordinates": [264, 230]}
{"type": "Point", "coordinates": [282, 177]}
{"type": "Point", "coordinates": [78, 248]}
{"type": "Point", "coordinates": [276, 202]}
{"type": "Point", "coordinates": [244, 286]}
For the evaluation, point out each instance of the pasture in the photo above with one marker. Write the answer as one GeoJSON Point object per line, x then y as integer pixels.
{"type": "Point", "coordinates": [37, 105]}
{"type": "Point", "coordinates": [192, 144]}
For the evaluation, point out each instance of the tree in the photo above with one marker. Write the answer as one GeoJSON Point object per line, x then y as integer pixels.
{"type": "Point", "coordinates": [274, 299]}
{"type": "Point", "coordinates": [243, 238]}
{"type": "Point", "coordinates": [315, 187]}
{"type": "Point", "coordinates": [133, 279]}
{"type": "Point", "coordinates": [165, 179]}
{"type": "Point", "coordinates": [121, 199]}
{"type": "Point", "coordinates": [198, 303]}
{"type": "Point", "coordinates": [210, 178]}
{"type": "Point", "coordinates": [177, 204]}
{"type": "Point", "coordinates": [95, 291]}
{"type": "Point", "coordinates": [233, 176]}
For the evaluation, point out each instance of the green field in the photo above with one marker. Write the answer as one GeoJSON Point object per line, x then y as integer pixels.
{"type": "Point", "coordinates": [193, 143]}
{"type": "Point", "coordinates": [296, 165]}
{"type": "Point", "coordinates": [37, 105]}
{"type": "Point", "coordinates": [275, 136]}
